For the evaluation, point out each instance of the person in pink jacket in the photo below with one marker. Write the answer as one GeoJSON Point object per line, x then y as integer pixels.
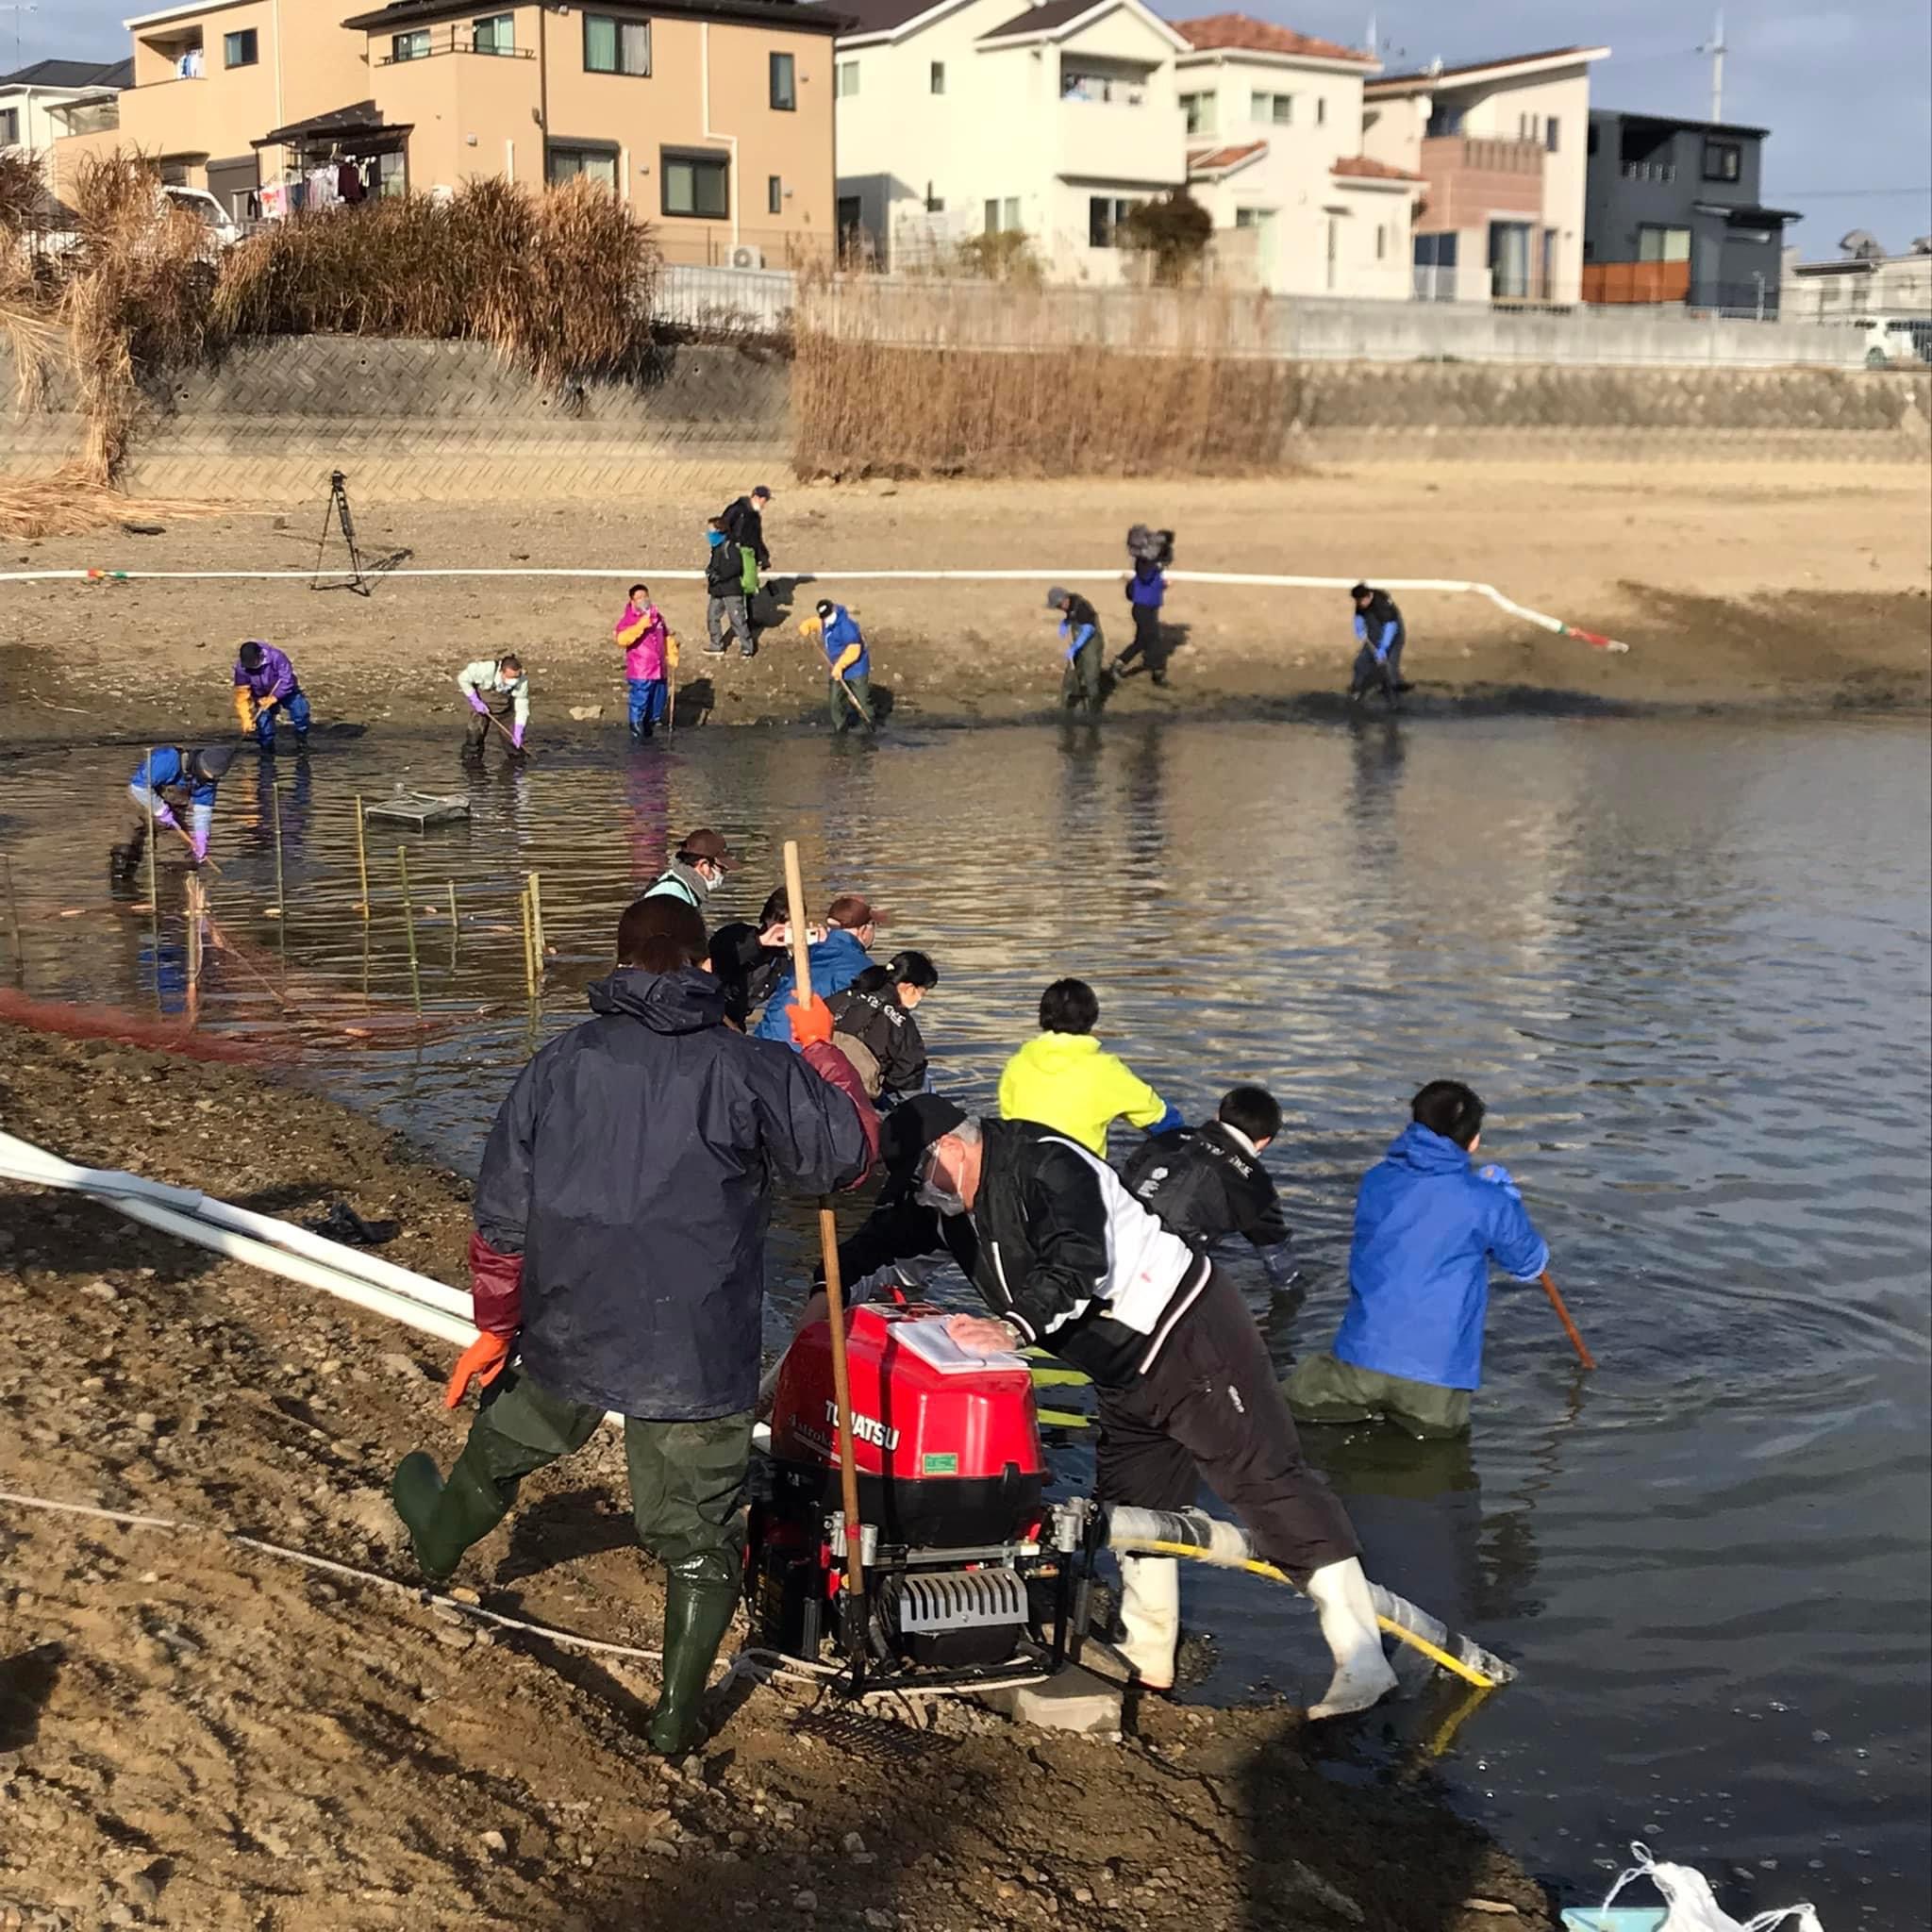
{"type": "Point", "coordinates": [642, 632]}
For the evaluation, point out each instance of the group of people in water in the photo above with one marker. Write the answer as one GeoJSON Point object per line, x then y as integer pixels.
{"type": "Point", "coordinates": [617, 1262]}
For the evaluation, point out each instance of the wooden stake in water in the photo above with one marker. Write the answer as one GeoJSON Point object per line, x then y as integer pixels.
{"type": "Point", "coordinates": [197, 907]}
{"type": "Point", "coordinates": [409, 929]}
{"type": "Point", "coordinates": [154, 895]}
{"type": "Point", "coordinates": [275, 793]}
{"type": "Point", "coordinates": [361, 858]}
{"type": "Point", "coordinates": [13, 920]}
{"type": "Point", "coordinates": [530, 948]}
{"type": "Point", "coordinates": [451, 910]}
{"type": "Point", "coordinates": [537, 921]}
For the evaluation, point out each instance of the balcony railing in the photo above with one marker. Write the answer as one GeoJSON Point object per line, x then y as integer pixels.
{"type": "Point", "coordinates": [1481, 156]}
{"type": "Point", "coordinates": [1648, 171]}
{"type": "Point", "coordinates": [427, 46]}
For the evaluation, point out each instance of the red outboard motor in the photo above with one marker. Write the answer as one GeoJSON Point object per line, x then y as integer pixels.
{"type": "Point", "coordinates": [952, 1479]}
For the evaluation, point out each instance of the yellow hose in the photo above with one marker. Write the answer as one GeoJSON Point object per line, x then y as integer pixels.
{"type": "Point", "coordinates": [1453, 1665]}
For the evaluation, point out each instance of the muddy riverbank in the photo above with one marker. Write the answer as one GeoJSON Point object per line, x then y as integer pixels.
{"type": "Point", "coordinates": [198, 1736]}
{"type": "Point", "coordinates": [1805, 589]}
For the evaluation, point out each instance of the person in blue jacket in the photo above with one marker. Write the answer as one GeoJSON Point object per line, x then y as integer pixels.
{"type": "Point", "coordinates": [169, 779]}
{"type": "Point", "coordinates": [1146, 593]}
{"type": "Point", "coordinates": [1085, 653]}
{"type": "Point", "coordinates": [1428, 1230]}
{"type": "Point", "coordinates": [847, 663]}
{"type": "Point", "coordinates": [1380, 633]}
{"type": "Point", "coordinates": [835, 961]}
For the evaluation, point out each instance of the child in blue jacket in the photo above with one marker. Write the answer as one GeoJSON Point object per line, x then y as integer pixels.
{"type": "Point", "coordinates": [1428, 1228]}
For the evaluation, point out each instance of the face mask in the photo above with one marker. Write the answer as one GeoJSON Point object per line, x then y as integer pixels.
{"type": "Point", "coordinates": [937, 1191]}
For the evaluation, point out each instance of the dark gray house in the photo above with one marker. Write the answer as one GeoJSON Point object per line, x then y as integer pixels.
{"type": "Point", "coordinates": [1673, 212]}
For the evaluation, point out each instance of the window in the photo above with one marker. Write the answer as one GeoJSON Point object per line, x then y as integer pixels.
{"type": "Point", "coordinates": [936, 78]}
{"type": "Point", "coordinates": [1447, 118]}
{"type": "Point", "coordinates": [587, 163]}
{"type": "Point", "coordinates": [697, 185]}
{"type": "Point", "coordinates": [1003, 217]}
{"type": "Point", "coordinates": [845, 79]}
{"type": "Point", "coordinates": [1435, 268]}
{"type": "Point", "coordinates": [1084, 84]}
{"type": "Point", "coordinates": [784, 76]}
{"type": "Point", "coordinates": [1656, 242]}
{"type": "Point", "coordinates": [1724, 160]}
{"type": "Point", "coordinates": [495, 33]}
{"type": "Point", "coordinates": [992, 215]}
{"type": "Point", "coordinates": [1199, 110]}
{"type": "Point", "coordinates": [1550, 135]}
{"type": "Point", "coordinates": [242, 49]}
{"type": "Point", "coordinates": [616, 47]}
{"type": "Point", "coordinates": [1105, 213]}
{"type": "Point", "coordinates": [413, 45]}
{"type": "Point", "coordinates": [1277, 108]}
{"type": "Point", "coordinates": [392, 173]}
{"type": "Point", "coordinates": [775, 195]}
{"type": "Point", "coordinates": [9, 126]}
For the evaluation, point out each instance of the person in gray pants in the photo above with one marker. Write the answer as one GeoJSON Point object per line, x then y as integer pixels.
{"type": "Point", "coordinates": [724, 584]}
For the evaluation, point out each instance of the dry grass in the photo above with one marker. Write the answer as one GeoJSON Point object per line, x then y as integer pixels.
{"type": "Point", "coordinates": [561, 281]}
{"type": "Point", "coordinates": [977, 380]}
{"type": "Point", "coordinates": [67, 504]}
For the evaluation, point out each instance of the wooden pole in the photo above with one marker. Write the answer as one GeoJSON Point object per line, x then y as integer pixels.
{"type": "Point", "coordinates": [198, 906]}
{"type": "Point", "coordinates": [13, 920]}
{"type": "Point", "coordinates": [409, 929]}
{"type": "Point", "coordinates": [835, 1310]}
{"type": "Point", "coordinates": [154, 896]}
{"type": "Point", "coordinates": [530, 948]}
{"type": "Point", "coordinates": [671, 699]}
{"type": "Point", "coordinates": [1583, 1355]}
{"type": "Point", "coordinates": [275, 793]}
{"type": "Point", "coordinates": [537, 922]}
{"type": "Point", "coordinates": [452, 910]}
{"type": "Point", "coordinates": [361, 857]}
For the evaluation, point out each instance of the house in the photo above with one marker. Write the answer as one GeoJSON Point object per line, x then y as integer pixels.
{"type": "Point", "coordinates": [713, 117]}
{"type": "Point", "coordinates": [1500, 145]}
{"type": "Point", "coordinates": [1274, 121]}
{"type": "Point", "coordinates": [41, 102]}
{"type": "Point", "coordinates": [1864, 281]}
{"type": "Point", "coordinates": [1675, 214]}
{"type": "Point", "coordinates": [960, 119]}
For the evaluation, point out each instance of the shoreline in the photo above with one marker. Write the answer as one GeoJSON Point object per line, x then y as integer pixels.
{"type": "Point", "coordinates": [218, 1740]}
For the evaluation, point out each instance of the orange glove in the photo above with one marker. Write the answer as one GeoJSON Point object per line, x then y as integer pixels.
{"type": "Point", "coordinates": [811, 1024]}
{"type": "Point", "coordinates": [486, 1359]}
{"type": "Point", "coordinates": [244, 707]}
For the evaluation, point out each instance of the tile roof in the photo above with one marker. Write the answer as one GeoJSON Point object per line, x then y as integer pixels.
{"type": "Point", "coordinates": [882, 16]}
{"type": "Point", "coordinates": [1041, 19]}
{"type": "Point", "coordinates": [1242, 33]}
{"type": "Point", "coordinates": [77, 73]}
{"type": "Point", "coordinates": [1365, 169]}
{"type": "Point", "coordinates": [1221, 160]}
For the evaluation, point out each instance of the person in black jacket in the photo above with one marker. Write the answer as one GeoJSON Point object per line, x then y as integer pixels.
{"type": "Point", "coordinates": [725, 601]}
{"type": "Point", "coordinates": [1068, 1260]}
{"type": "Point", "coordinates": [744, 523]}
{"type": "Point", "coordinates": [620, 1221]}
{"type": "Point", "coordinates": [876, 1012]}
{"type": "Point", "coordinates": [1381, 634]}
{"type": "Point", "coordinates": [1084, 650]}
{"type": "Point", "coordinates": [1208, 1182]}
{"type": "Point", "coordinates": [749, 960]}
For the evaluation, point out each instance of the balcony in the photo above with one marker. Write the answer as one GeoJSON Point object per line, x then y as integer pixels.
{"type": "Point", "coordinates": [1129, 139]}
{"type": "Point", "coordinates": [1648, 171]}
{"type": "Point", "coordinates": [426, 44]}
{"type": "Point", "coordinates": [1469, 179]}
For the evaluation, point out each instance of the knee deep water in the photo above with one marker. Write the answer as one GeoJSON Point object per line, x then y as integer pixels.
{"type": "Point", "coordinates": [1686, 962]}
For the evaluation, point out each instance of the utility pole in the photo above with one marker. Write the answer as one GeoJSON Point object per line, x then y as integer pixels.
{"type": "Point", "coordinates": [1715, 48]}
{"type": "Point", "coordinates": [17, 10]}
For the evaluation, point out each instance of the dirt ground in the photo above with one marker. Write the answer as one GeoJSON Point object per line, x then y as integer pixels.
{"type": "Point", "coordinates": [199, 1736]}
{"type": "Point", "coordinates": [1805, 586]}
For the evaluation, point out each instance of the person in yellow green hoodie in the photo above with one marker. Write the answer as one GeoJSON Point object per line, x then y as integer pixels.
{"type": "Point", "coordinates": [1064, 1081]}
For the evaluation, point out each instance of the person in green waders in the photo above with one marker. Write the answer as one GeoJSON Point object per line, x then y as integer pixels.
{"type": "Point", "coordinates": [618, 1264]}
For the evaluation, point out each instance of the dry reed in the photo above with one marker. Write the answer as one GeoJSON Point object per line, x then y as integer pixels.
{"type": "Point", "coordinates": [982, 380]}
{"type": "Point", "coordinates": [561, 281]}
{"type": "Point", "coordinates": [67, 504]}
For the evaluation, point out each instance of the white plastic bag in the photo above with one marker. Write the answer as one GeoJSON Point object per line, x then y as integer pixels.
{"type": "Point", "coordinates": [1693, 1907]}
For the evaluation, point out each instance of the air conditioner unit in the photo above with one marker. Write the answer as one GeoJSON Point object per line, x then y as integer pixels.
{"type": "Point", "coordinates": [747, 256]}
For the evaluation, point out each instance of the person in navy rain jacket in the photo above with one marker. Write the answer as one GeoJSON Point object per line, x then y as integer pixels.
{"type": "Point", "coordinates": [1428, 1228]}
{"type": "Point", "coordinates": [1146, 593]}
{"type": "Point", "coordinates": [835, 962]}
{"type": "Point", "coordinates": [265, 682]}
{"type": "Point", "coordinates": [1381, 634]}
{"type": "Point", "coordinates": [168, 778]}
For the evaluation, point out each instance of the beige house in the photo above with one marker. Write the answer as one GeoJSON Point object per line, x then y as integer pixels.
{"type": "Point", "coordinates": [713, 117]}
{"type": "Point", "coordinates": [1501, 148]}
{"type": "Point", "coordinates": [1274, 121]}
{"type": "Point", "coordinates": [47, 99]}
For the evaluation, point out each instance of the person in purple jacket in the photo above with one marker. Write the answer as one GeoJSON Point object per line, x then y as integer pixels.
{"type": "Point", "coordinates": [265, 683]}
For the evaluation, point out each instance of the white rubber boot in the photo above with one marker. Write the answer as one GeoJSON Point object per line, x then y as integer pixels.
{"type": "Point", "coordinates": [1362, 1677]}
{"type": "Point", "coordinates": [1151, 1618]}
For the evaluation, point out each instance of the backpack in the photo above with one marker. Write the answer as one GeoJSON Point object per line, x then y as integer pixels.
{"type": "Point", "coordinates": [865, 1063]}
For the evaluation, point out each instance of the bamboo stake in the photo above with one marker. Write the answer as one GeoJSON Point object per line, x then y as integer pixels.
{"type": "Point", "coordinates": [452, 911]}
{"type": "Point", "coordinates": [834, 1315]}
{"type": "Point", "coordinates": [197, 904]}
{"type": "Point", "coordinates": [13, 920]}
{"type": "Point", "coordinates": [361, 858]}
{"type": "Point", "coordinates": [529, 949]}
{"type": "Point", "coordinates": [275, 793]}
{"type": "Point", "coordinates": [409, 929]}
{"type": "Point", "coordinates": [1583, 1354]}
{"type": "Point", "coordinates": [537, 921]}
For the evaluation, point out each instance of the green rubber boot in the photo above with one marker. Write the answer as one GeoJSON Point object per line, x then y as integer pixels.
{"type": "Point", "coordinates": [443, 1519]}
{"type": "Point", "coordinates": [696, 1616]}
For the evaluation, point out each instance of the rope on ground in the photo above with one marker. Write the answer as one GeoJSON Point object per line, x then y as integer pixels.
{"type": "Point", "coordinates": [1449, 586]}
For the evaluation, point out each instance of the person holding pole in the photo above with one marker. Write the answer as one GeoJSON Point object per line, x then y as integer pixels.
{"type": "Point", "coordinates": [619, 1257]}
{"type": "Point", "coordinates": [265, 682]}
{"type": "Point", "coordinates": [848, 664]}
{"type": "Point", "coordinates": [646, 642]}
{"type": "Point", "coordinates": [189, 779]}
{"type": "Point", "coordinates": [495, 688]}
{"type": "Point", "coordinates": [1428, 1225]}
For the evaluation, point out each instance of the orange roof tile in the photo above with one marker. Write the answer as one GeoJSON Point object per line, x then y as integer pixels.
{"type": "Point", "coordinates": [1213, 161]}
{"type": "Point", "coordinates": [1368, 170]}
{"type": "Point", "coordinates": [1242, 33]}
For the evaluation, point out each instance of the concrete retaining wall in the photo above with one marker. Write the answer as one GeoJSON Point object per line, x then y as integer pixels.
{"type": "Point", "coordinates": [447, 422]}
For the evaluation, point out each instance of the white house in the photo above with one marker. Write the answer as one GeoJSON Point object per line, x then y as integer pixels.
{"type": "Point", "coordinates": [1501, 146]}
{"type": "Point", "coordinates": [958, 118]}
{"type": "Point", "coordinates": [50, 98]}
{"type": "Point", "coordinates": [1275, 120]}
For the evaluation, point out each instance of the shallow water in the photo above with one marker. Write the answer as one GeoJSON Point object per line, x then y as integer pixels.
{"type": "Point", "coordinates": [1685, 960]}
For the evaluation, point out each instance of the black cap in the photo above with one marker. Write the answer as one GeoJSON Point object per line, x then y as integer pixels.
{"type": "Point", "coordinates": [1360, 591]}
{"type": "Point", "coordinates": [824, 606]}
{"type": "Point", "coordinates": [764, 489]}
{"type": "Point", "coordinates": [907, 1131]}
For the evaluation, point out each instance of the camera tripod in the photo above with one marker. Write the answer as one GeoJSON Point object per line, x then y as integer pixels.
{"type": "Point", "coordinates": [339, 513]}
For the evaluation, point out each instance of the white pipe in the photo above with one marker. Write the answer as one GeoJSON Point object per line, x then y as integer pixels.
{"type": "Point", "coordinates": [1450, 586]}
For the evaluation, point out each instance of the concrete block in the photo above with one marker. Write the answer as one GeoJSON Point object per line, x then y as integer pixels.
{"type": "Point", "coordinates": [1075, 1700]}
